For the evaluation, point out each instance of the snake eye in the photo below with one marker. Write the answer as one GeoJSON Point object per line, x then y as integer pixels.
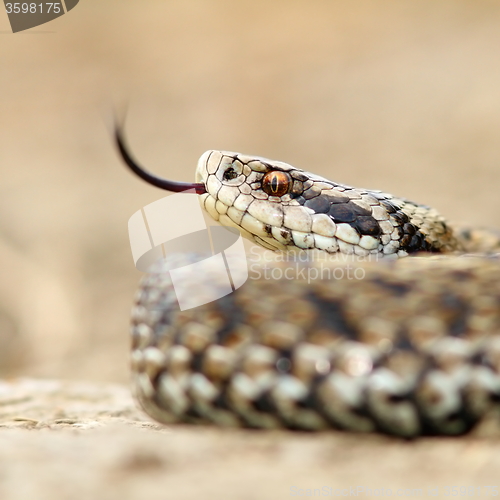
{"type": "Point", "coordinates": [276, 183]}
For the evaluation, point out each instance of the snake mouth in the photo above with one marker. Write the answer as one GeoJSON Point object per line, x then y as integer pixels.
{"type": "Point", "coordinates": [173, 186]}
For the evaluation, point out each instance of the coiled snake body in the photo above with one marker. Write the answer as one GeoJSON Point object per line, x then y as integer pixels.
{"type": "Point", "coordinates": [412, 348]}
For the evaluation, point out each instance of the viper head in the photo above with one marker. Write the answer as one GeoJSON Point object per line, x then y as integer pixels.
{"type": "Point", "coordinates": [281, 207]}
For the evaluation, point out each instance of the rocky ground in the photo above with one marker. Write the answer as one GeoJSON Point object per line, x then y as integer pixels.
{"type": "Point", "coordinates": [84, 441]}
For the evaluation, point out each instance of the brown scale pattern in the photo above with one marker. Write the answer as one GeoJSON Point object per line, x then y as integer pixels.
{"type": "Point", "coordinates": [389, 225]}
{"type": "Point", "coordinates": [411, 348]}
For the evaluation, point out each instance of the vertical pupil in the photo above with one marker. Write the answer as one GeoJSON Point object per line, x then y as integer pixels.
{"type": "Point", "coordinates": [274, 184]}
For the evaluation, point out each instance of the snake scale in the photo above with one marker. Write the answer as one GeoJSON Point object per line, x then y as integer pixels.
{"type": "Point", "coordinates": [412, 348]}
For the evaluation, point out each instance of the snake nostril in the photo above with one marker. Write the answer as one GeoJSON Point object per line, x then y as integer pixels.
{"type": "Point", "coordinates": [229, 174]}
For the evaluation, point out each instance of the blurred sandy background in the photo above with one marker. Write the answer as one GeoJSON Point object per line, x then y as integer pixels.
{"type": "Point", "coordinates": [401, 95]}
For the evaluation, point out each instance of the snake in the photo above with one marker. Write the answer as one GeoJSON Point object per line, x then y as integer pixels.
{"type": "Point", "coordinates": [409, 347]}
